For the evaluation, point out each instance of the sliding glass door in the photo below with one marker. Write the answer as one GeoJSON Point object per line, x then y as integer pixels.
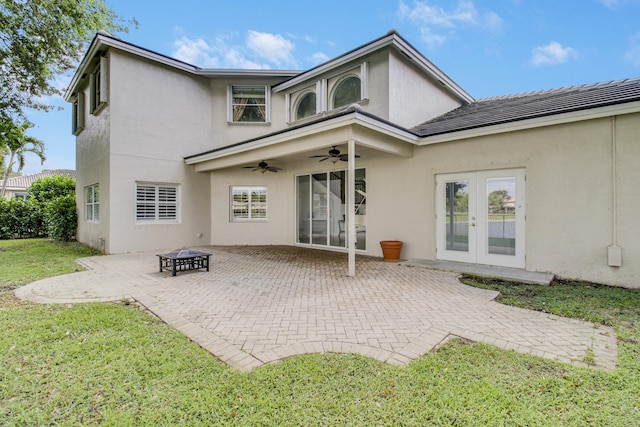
{"type": "Point", "coordinates": [321, 213]}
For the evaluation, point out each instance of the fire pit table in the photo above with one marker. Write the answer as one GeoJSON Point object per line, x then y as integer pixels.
{"type": "Point", "coordinates": [183, 260]}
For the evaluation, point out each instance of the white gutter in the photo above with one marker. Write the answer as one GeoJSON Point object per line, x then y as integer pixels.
{"type": "Point", "coordinates": [102, 40]}
{"type": "Point", "coordinates": [331, 124]}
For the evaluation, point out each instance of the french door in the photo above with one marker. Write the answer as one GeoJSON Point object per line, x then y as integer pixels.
{"type": "Point", "coordinates": [480, 217]}
{"type": "Point", "coordinates": [321, 209]}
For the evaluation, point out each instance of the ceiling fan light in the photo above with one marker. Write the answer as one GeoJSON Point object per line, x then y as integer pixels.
{"type": "Point", "coordinates": [334, 159]}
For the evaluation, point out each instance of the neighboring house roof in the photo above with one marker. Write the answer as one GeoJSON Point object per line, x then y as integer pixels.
{"type": "Point", "coordinates": [24, 182]}
{"type": "Point", "coordinates": [511, 108]}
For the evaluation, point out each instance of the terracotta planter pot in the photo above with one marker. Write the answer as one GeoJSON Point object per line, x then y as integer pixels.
{"type": "Point", "coordinates": [391, 250]}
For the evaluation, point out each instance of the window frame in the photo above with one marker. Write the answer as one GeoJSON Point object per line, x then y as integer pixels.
{"type": "Point", "coordinates": [153, 207]}
{"type": "Point", "coordinates": [98, 86]}
{"type": "Point", "coordinates": [338, 83]}
{"type": "Point", "coordinates": [301, 97]}
{"type": "Point", "coordinates": [249, 189]}
{"type": "Point", "coordinates": [92, 203]}
{"type": "Point", "coordinates": [230, 104]}
{"type": "Point", "coordinates": [77, 113]}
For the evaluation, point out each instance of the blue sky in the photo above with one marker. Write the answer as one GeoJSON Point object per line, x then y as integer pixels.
{"type": "Point", "coordinates": [489, 48]}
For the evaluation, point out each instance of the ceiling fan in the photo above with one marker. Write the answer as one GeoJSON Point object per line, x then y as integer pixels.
{"type": "Point", "coordinates": [263, 167]}
{"type": "Point", "coordinates": [333, 155]}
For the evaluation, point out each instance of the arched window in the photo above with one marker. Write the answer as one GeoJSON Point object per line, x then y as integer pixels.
{"type": "Point", "coordinates": [347, 92]}
{"type": "Point", "coordinates": [306, 106]}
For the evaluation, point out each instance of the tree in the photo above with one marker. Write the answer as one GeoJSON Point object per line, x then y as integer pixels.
{"type": "Point", "coordinates": [13, 137]}
{"type": "Point", "coordinates": [496, 200]}
{"type": "Point", "coordinates": [41, 39]}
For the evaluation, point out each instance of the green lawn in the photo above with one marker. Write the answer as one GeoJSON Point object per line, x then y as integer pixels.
{"type": "Point", "coordinates": [112, 364]}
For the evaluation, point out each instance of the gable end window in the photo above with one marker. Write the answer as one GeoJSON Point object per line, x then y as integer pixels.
{"type": "Point", "coordinates": [347, 92]}
{"type": "Point", "coordinates": [98, 86]}
{"type": "Point", "coordinates": [248, 203]}
{"type": "Point", "coordinates": [248, 104]}
{"type": "Point", "coordinates": [156, 203]}
{"type": "Point", "coordinates": [77, 113]}
{"type": "Point", "coordinates": [92, 203]}
{"type": "Point", "coordinates": [306, 106]}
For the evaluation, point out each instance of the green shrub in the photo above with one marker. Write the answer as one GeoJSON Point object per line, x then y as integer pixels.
{"type": "Point", "coordinates": [46, 189]}
{"type": "Point", "coordinates": [21, 219]}
{"type": "Point", "coordinates": [49, 210]}
{"type": "Point", "coordinates": [61, 218]}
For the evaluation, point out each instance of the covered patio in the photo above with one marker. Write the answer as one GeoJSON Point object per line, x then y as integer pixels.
{"type": "Point", "coordinates": [260, 304]}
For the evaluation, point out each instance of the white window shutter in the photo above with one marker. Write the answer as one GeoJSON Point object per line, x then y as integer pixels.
{"type": "Point", "coordinates": [104, 80]}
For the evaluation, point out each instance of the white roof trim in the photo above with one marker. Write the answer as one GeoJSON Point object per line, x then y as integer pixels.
{"type": "Point", "coordinates": [341, 121]}
{"type": "Point", "coordinates": [401, 45]}
{"type": "Point", "coordinates": [102, 39]}
{"type": "Point", "coordinates": [555, 119]}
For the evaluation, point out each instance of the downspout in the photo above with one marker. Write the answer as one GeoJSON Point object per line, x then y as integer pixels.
{"type": "Point", "coordinates": [614, 252]}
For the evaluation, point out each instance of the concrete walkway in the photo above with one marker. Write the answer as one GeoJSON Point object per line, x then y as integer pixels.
{"type": "Point", "coordinates": [258, 305]}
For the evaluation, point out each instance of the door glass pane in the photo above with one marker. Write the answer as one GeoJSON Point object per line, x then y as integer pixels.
{"type": "Point", "coordinates": [361, 209]}
{"type": "Point", "coordinates": [304, 210]}
{"type": "Point", "coordinates": [319, 209]}
{"type": "Point", "coordinates": [337, 205]}
{"type": "Point", "coordinates": [501, 217]}
{"type": "Point", "coordinates": [457, 215]}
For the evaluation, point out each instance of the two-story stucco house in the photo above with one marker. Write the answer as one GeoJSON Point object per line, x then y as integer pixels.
{"type": "Point", "coordinates": [375, 144]}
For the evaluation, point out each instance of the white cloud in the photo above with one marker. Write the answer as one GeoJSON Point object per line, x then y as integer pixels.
{"type": "Point", "coordinates": [612, 4]}
{"type": "Point", "coordinates": [437, 23]}
{"type": "Point", "coordinates": [272, 47]}
{"type": "Point", "coordinates": [260, 51]}
{"type": "Point", "coordinates": [553, 53]}
{"type": "Point", "coordinates": [433, 40]}
{"type": "Point", "coordinates": [319, 58]}
{"type": "Point", "coordinates": [195, 51]}
{"type": "Point", "coordinates": [633, 53]}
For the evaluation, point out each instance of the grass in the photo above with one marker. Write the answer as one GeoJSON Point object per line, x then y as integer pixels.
{"type": "Point", "coordinates": [112, 364]}
{"type": "Point", "coordinates": [25, 261]}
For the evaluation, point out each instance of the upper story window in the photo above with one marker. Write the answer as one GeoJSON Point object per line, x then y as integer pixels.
{"type": "Point", "coordinates": [98, 86]}
{"type": "Point", "coordinates": [345, 87]}
{"type": "Point", "coordinates": [248, 104]}
{"type": "Point", "coordinates": [306, 106]}
{"type": "Point", "coordinates": [346, 92]}
{"type": "Point", "coordinates": [77, 113]}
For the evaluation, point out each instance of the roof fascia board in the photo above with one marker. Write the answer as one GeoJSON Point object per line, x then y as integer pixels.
{"type": "Point", "coordinates": [102, 40]}
{"type": "Point", "coordinates": [556, 119]}
{"type": "Point", "coordinates": [336, 62]}
{"type": "Point", "coordinates": [228, 72]}
{"type": "Point", "coordinates": [404, 47]}
{"type": "Point", "coordinates": [401, 45]}
{"type": "Point", "coordinates": [342, 121]}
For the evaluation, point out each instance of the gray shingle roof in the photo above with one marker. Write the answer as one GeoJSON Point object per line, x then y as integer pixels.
{"type": "Point", "coordinates": [25, 181]}
{"type": "Point", "coordinates": [511, 108]}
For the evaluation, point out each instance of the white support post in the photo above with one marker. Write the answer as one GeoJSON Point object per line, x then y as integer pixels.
{"type": "Point", "coordinates": [351, 205]}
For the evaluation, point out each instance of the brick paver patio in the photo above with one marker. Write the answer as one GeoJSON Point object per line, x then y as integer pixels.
{"type": "Point", "coordinates": [258, 305]}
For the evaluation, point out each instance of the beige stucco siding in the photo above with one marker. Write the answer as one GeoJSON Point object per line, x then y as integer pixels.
{"type": "Point", "coordinates": [413, 97]}
{"type": "Point", "coordinates": [225, 133]}
{"type": "Point", "coordinates": [569, 220]}
{"type": "Point", "coordinates": [276, 230]}
{"type": "Point", "coordinates": [158, 116]}
{"type": "Point", "coordinates": [92, 167]}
